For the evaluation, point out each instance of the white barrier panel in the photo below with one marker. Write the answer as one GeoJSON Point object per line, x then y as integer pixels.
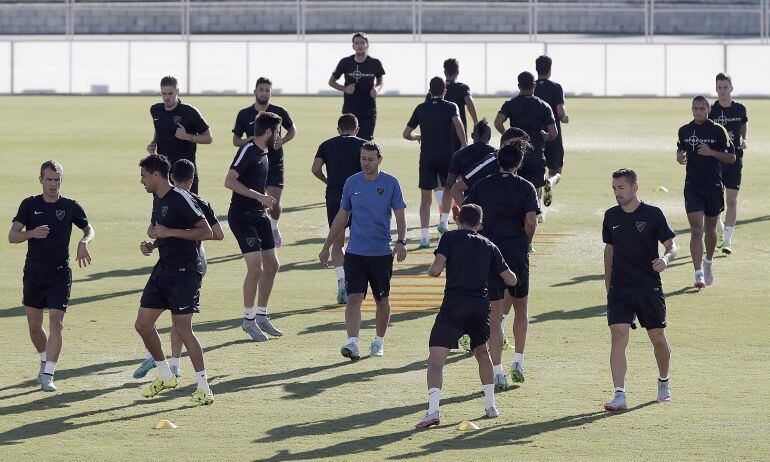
{"type": "Point", "coordinates": [100, 67]}
{"type": "Point", "coordinates": [151, 61]}
{"type": "Point", "coordinates": [322, 59]}
{"type": "Point", "coordinates": [41, 67]}
{"type": "Point", "coordinates": [505, 61]}
{"type": "Point", "coordinates": [5, 67]}
{"type": "Point", "coordinates": [404, 65]}
{"type": "Point", "coordinates": [218, 67]}
{"type": "Point", "coordinates": [470, 56]}
{"type": "Point", "coordinates": [749, 67]}
{"type": "Point", "coordinates": [283, 63]}
{"type": "Point", "coordinates": [635, 70]}
{"type": "Point", "coordinates": [690, 69]}
{"type": "Point", "coordinates": [579, 68]}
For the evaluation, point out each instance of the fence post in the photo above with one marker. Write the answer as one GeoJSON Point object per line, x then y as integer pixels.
{"type": "Point", "coordinates": [13, 51]}
{"type": "Point", "coordinates": [652, 20]}
{"type": "Point", "coordinates": [69, 19]}
{"type": "Point", "coordinates": [299, 20]}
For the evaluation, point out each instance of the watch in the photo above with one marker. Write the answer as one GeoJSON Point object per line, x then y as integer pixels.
{"type": "Point", "coordinates": [402, 242]}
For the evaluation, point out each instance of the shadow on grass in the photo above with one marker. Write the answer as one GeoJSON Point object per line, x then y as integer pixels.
{"type": "Point", "coordinates": [339, 326]}
{"type": "Point", "coordinates": [21, 310]}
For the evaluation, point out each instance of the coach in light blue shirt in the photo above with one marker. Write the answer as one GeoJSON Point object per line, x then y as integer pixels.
{"type": "Point", "coordinates": [368, 197]}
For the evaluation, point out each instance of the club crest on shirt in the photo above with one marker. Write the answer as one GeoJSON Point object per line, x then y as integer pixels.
{"type": "Point", "coordinates": [640, 225]}
{"type": "Point", "coordinates": [177, 119]}
{"type": "Point", "coordinates": [164, 210]}
{"type": "Point", "coordinates": [380, 191]}
{"type": "Point", "coordinates": [60, 214]}
{"type": "Point", "coordinates": [250, 241]}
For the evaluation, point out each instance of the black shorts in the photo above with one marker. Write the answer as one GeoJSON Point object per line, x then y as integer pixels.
{"type": "Point", "coordinates": [554, 153]}
{"type": "Point", "coordinates": [333, 199]}
{"type": "Point", "coordinates": [366, 123]}
{"type": "Point", "coordinates": [176, 289]}
{"type": "Point", "coordinates": [533, 170]}
{"type": "Point", "coordinates": [649, 306]}
{"type": "Point", "coordinates": [275, 169]}
{"type": "Point", "coordinates": [457, 318]}
{"type": "Point", "coordinates": [47, 287]}
{"type": "Point", "coordinates": [362, 271]}
{"type": "Point", "coordinates": [731, 174]}
{"type": "Point", "coordinates": [433, 172]}
{"type": "Point", "coordinates": [251, 229]}
{"type": "Point", "coordinates": [703, 198]}
{"type": "Point", "coordinates": [518, 262]}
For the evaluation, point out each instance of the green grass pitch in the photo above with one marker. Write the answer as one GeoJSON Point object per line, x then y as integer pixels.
{"type": "Point", "coordinates": [296, 398]}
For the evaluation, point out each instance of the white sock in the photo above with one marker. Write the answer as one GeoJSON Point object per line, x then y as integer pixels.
{"type": "Point", "coordinates": [439, 195]}
{"type": "Point", "coordinates": [50, 367]}
{"type": "Point", "coordinates": [444, 219]}
{"type": "Point", "coordinates": [489, 395]}
{"type": "Point", "coordinates": [698, 272]}
{"type": "Point", "coordinates": [353, 340]}
{"type": "Point", "coordinates": [203, 381]}
{"type": "Point", "coordinates": [164, 371]}
{"type": "Point", "coordinates": [148, 355]}
{"type": "Point", "coordinates": [273, 223]}
{"type": "Point", "coordinates": [380, 340]}
{"type": "Point", "coordinates": [249, 313]}
{"type": "Point", "coordinates": [424, 234]}
{"type": "Point", "coordinates": [707, 262]}
{"type": "Point", "coordinates": [519, 358]}
{"type": "Point", "coordinates": [728, 236]}
{"type": "Point", "coordinates": [262, 310]}
{"type": "Point", "coordinates": [720, 223]}
{"type": "Point", "coordinates": [42, 356]}
{"type": "Point", "coordinates": [498, 369]}
{"type": "Point", "coordinates": [340, 272]}
{"type": "Point", "coordinates": [502, 323]}
{"type": "Point", "coordinates": [620, 389]}
{"type": "Point", "coordinates": [554, 180]}
{"type": "Point", "coordinates": [434, 398]}
{"type": "Point", "coordinates": [174, 362]}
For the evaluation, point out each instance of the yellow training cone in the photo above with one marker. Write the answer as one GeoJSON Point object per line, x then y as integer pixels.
{"type": "Point", "coordinates": [163, 424]}
{"type": "Point", "coordinates": [467, 425]}
{"type": "Point", "coordinates": [661, 189]}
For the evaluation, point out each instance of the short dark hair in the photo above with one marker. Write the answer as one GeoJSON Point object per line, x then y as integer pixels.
{"type": "Point", "coordinates": [437, 86]}
{"type": "Point", "coordinates": [526, 80]}
{"type": "Point", "coordinates": [452, 66]}
{"type": "Point", "coordinates": [347, 122]}
{"type": "Point", "coordinates": [626, 173]}
{"type": "Point", "coordinates": [470, 215]}
{"type": "Point", "coordinates": [512, 153]}
{"type": "Point", "coordinates": [183, 170]}
{"type": "Point", "coordinates": [372, 146]}
{"type": "Point", "coordinates": [156, 163]}
{"type": "Point", "coordinates": [723, 76]}
{"type": "Point", "coordinates": [263, 80]}
{"type": "Point", "coordinates": [481, 129]}
{"type": "Point", "coordinates": [51, 165]}
{"type": "Point", "coordinates": [543, 64]}
{"type": "Point", "coordinates": [702, 99]}
{"type": "Point", "coordinates": [169, 81]}
{"type": "Point", "coordinates": [513, 133]}
{"type": "Point", "coordinates": [265, 121]}
{"type": "Point", "coordinates": [363, 35]}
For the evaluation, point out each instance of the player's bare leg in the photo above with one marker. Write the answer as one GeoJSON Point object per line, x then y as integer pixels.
{"type": "Point", "coordinates": [520, 325]}
{"type": "Point", "coordinates": [731, 216]}
{"type": "Point", "coordinates": [426, 199]}
{"type": "Point", "coordinates": [275, 213]}
{"type": "Point", "coordinates": [696, 246]}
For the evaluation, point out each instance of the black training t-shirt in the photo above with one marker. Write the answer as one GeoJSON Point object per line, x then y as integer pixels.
{"type": "Point", "coordinates": [732, 118]}
{"type": "Point", "coordinates": [364, 76]}
{"type": "Point", "coordinates": [466, 158]}
{"type": "Point", "coordinates": [176, 210]}
{"type": "Point", "coordinates": [434, 118]}
{"type": "Point", "coordinates": [530, 114]}
{"type": "Point", "coordinates": [471, 260]}
{"type": "Point", "coordinates": [634, 239]}
{"type": "Point", "coordinates": [342, 156]}
{"type": "Point", "coordinates": [251, 163]}
{"type": "Point", "coordinates": [552, 93]}
{"type": "Point", "coordinates": [53, 251]}
{"type": "Point", "coordinates": [482, 169]}
{"type": "Point", "coordinates": [703, 170]}
{"type": "Point", "coordinates": [244, 124]}
{"type": "Point", "coordinates": [166, 122]}
{"type": "Point", "coordinates": [505, 200]}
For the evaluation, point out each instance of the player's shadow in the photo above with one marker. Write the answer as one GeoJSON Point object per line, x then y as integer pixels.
{"type": "Point", "coordinates": [262, 380]}
{"type": "Point", "coordinates": [417, 269]}
{"type": "Point", "coordinates": [319, 241]}
{"type": "Point", "coordinates": [21, 311]}
{"type": "Point", "coordinates": [339, 326]}
{"type": "Point", "coordinates": [301, 390]}
{"type": "Point", "coordinates": [236, 321]}
{"type": "Point", "coordinates": [303, 207]}
{"type": "Point", "coordinates": [580, 279]}
{"type": "Point", "coordinates": [62, 399]}
{"type": "Point", "coordinates": [305, 265]}
{"type": "Point", "coordinates": [564, 315]}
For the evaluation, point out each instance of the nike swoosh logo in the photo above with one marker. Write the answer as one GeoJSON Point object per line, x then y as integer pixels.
{"type": "Point", "coordinates": [37, 213]}
{"type": "Point", "coordinates": [618, 226]}
{"type": "Point", "coordinates": [355, 193]}
{"type": "Point", "coordinates": [251, 123]}
{"type": "Point", "coordinates": [156, 120]}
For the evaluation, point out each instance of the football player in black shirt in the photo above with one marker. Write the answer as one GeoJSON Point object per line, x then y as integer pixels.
{"type": "Point", "coordinates": [177, 225]}
{"type": "Point", "coordinates": [45, 223]}
{"type": "Point", "coordinates": [362, 83]}
{"type": "Point", "coordinates": [552, 93]}
{"type": "Point", "coordinates": [247, 178]}
{"type": "Point", "coordinates": [437, 120]}
{"type": "Point", "coordinates": [179, 127]}
{"type": "Point", "coordinates": [183, 175]}
{"type": "Point", "coordinates": [458, 93]}
{"type": "Point", "coordinates": [342, 157]}
{"type": "Point", "coordinates": [469, 259]}
{"type": "Point", "coordinates": [703, 146]}
{"type": "Point", "coordinates": [731, 115]}
{"type": "Point", "coordinates": [511, 208]}
{"type": "Point", "coordinates": [244, 125]}
{"type": "Point", "coordinates": [631, 232]}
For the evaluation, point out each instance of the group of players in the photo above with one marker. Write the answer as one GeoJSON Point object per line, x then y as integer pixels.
{"type": "Point", "coordinates": [500, 191]}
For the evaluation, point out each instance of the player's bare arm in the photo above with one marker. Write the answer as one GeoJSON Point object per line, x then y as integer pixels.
{"type": "Point", "coordinates": [509, 277]}
{"type": "Point", "coordinates": [681, 156]}
{"type": "Point", "coordinates": [458, 192]}
{"type": "Point", "coordinates": [551, 133]}
{"type": "Point", "coordinates": [232, 183]}
{"type": "Point", "coordinates": [410, 135]}
{"type": "Point", "coordinates": [460, 131]}
{"type": "Point", "coordinates": [660, 264]}
{"type": "Point", "coordinates": [290, 134]}
{"type": "Point", "coordinates": [200, 138]}
{"type": "Point", "coordinates": [17, 236]}
{"type": "Point", "coordinates": [530, 225]}
{"type": "Point", "coordinates": [500, 119]}
{"type": "Point", "coordinates": [83, 256]}
{"type": "Point", "coordinates": [607, 265]}
{"type": "Point", "coordinates": [240, 142]}
{"type": "Point", "coordinates": [726, 157]}
{"type": "Point", "coordinates": [435, 269]}
{"type": "Point", "coordinates": [471, 109]}
{"type": "Point", "coordinates": [337, 227]}
{"type": "Point", "coordinates": [201, 231]}
{"type": "Point", "coordinates": [561, 113]}
{"type": "Point", "coordinates": [377, 87]}
{"type": "Point", "coordinates": [399, 249]}
{"type": "Point", "coordinates": [337, 86]}
{"type": "Point", "coordinates": [317, 169]}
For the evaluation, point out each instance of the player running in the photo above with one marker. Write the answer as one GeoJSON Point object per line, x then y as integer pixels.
{"type": "Point", "coordinates": [702, 146]}
{"type": "Point", "coordinates": [342, 157]}
{"type": "Point", "coordinates": [244, 125]}
{"type": "Point", "coordinates": [370, 197]}
{"type": "Point", "coordinates": [552, 93]}
{"type": "Point", "coordinates": [45, 223]}
{"type": "Point", "coordinates": [177, 225]}
{"type": "Point", "coordinates": [179, 127]}
{"type": "Point", "coordinates": [183, 175]}
{"type": "Point", "coordinates": [731, 115]}
{"type": "Point", "coordinates": [631, 232]}
{"type": "Point", "coordinates": [437, 120]}
{"type": "Point", "coordinates": [362, 83]}
{"type": "Point", "coordinates": [469, 259]}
